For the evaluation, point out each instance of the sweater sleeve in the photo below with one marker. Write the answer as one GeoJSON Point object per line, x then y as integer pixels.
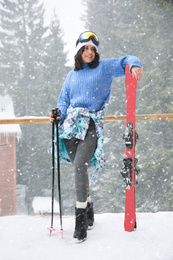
{"type": "Point", "coordinates": [64, 99]}
{"type": "Point", "coordinates": [116, 67]}
{"type": "Point", "coordinates": [133, 61]}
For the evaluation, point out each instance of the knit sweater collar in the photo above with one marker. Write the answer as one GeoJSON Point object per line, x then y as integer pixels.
{"type": "Point", "coordinates": [85, 65]}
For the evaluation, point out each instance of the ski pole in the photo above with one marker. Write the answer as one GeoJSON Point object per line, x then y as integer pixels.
{"type": "Point", "coordinates": [55, 114]}
{"type": "Point", "coordinates": [53, 176]}
{"type": "Point", "coordinates": [59, 180]}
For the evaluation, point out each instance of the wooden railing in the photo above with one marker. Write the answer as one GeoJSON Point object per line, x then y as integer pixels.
{"type": "Point", "coordinates": [44, 120]}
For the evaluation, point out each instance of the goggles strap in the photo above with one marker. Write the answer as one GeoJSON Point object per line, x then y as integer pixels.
{"type": "Point", "coordinates": [81, 44]}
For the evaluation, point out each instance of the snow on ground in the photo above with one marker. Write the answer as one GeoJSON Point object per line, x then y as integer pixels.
{"type": "Point", "coordinates": [27, 238]}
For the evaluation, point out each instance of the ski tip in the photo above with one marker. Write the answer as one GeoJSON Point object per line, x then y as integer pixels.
{"type": "Point", "coordinates": [51, 229]}
{"type": "Point", "coordinates": [127, 68]}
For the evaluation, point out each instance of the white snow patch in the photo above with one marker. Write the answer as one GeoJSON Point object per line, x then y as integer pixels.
{"type": "Point", "coordinates": [106, 139]}
{"type": "Point", "coordinates": [27, 237]}
{"type": "Point", "coordinates": [7, 112]}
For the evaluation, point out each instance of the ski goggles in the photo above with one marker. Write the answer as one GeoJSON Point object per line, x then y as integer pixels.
{"type": "Point", "coordinates": [86, 36]}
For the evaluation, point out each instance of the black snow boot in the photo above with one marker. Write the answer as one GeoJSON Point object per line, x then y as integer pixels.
{"type": "Point", "coordinates": [81, 225]}
{"type": "Point", "coordinates": [90, 215]}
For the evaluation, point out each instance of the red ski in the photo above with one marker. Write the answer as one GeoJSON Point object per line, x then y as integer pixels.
{"type": "Point", "coordinates": [129, 170]}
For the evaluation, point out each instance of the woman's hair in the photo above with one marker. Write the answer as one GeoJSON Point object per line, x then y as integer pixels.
{"type": "Point", "coordinates": [79, 62]}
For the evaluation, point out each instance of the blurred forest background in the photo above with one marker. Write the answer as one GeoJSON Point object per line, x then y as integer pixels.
{"type": "Point", "coordinates": [33, 69]}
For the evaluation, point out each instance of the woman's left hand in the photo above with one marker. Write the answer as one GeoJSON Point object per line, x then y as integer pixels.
{"type": "Point", "coordinates": [137, 72]}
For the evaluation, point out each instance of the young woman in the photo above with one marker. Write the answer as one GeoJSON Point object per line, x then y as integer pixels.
{"type": "Point", "coordinates": [82, 102]}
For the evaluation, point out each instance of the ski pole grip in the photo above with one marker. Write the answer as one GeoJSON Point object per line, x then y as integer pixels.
{"type": "Point", "coordinates": [56, 112]}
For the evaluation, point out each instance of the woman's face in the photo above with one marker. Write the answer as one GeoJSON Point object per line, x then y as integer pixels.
{"type": "Point", "coordinates": [88, 54]}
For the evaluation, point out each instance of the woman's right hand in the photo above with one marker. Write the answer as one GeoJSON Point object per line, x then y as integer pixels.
{"type": "Point", "coordinates": [51, 119]}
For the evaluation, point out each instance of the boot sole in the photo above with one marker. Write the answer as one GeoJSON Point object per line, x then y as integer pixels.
{"type": "Point", "coordinates": [90, 228]}
{"type": "Point", "coordinates": [79, 241]}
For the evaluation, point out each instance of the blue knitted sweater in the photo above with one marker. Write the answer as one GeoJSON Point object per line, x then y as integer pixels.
{"type": "Point", "coordinates": [91, 88]}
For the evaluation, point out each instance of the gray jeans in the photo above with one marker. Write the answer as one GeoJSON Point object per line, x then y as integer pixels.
{"type": "Point", "coordinates": [81, 153]}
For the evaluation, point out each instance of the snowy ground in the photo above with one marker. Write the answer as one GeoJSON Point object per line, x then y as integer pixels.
{"type": "Point", "coordinates": [27, 238]}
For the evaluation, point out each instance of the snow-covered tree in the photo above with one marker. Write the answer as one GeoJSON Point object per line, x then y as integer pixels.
{"type": "Point", "coordinates": [28, 56]}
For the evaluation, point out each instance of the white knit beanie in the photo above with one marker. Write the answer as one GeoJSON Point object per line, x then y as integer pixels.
{"type": "Point", "coordinates": [81, 44]}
